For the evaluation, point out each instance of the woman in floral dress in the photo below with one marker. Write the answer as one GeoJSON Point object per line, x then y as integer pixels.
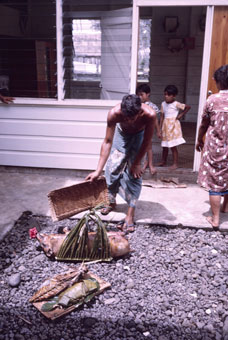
{"type": "Point", "coordinates": [213, 172]}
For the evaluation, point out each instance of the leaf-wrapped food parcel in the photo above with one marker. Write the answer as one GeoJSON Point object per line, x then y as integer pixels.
{"type": "Point", "coordinates": [58, 283]}
{"type": "Point", "coordinates": [78, 292]}
{"type": "Point", "coordinates": [48, 304]}
{"type": "Point", "coordinates": [74, 295]}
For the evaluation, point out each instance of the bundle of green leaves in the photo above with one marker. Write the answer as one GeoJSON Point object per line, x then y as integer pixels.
{"type": "Point", "coordinates": [81, 292]}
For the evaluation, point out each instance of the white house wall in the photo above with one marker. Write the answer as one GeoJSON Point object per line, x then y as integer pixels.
{"type": "Point", "coordinates": [51, 136]}
{"type": "Point", "coordinates": [70, 136]}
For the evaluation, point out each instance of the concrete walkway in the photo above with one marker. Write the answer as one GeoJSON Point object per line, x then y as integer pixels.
{"type": "Point", "coordinates": [23, 189]}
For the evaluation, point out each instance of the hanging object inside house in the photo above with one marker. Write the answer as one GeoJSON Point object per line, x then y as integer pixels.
{"type": "Point", "coordinates": [171, 24]}
{"type": "Point", "coordinates": [176, 45]}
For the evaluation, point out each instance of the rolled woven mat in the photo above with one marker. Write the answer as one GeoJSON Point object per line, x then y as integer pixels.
{"type": "Point", "coordinates": [68, 201]}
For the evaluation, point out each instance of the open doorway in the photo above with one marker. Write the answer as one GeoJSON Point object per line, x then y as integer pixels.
{"type": "Point", "coordinates": [175, 57]}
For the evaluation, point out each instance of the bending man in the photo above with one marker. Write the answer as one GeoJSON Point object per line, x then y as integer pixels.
{"type": "Point", "coordinates": [129, 132]}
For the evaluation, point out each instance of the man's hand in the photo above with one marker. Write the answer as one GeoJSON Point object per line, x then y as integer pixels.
{"type": "Point", "coordinates": [92, 176]}
{"type": "Point", "coordinates": [199, 146]}
{"type": "Point", "coordinates": [6, 100]}
{"type": "Point", "coordinates": [136, 171]}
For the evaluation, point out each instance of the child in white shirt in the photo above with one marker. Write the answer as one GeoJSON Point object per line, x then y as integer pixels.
{"type": "Point", "coordinates": [171, 113]}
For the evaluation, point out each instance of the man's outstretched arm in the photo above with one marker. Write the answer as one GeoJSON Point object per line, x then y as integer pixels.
{"type": "Point", "coordinates": [104, 153]}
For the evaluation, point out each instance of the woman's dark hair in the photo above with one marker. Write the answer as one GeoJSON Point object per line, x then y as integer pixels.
{"type": "Point", "coordinates": [221, 77]}
{"type": "Point", "coordinates": [130, 105]}
{"type": "Point", "coordinates": [171, 90]}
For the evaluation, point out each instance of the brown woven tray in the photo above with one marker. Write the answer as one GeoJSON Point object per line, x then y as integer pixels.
{"type": "Point", "coordinates": [68, 201]}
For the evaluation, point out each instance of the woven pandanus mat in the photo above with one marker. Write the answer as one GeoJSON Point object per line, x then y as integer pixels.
{"type": "Point", "coordinates": [68, 201]}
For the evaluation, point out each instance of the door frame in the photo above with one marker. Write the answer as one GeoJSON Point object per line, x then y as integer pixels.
{"type": "Point", "coordinates": [206, 50]}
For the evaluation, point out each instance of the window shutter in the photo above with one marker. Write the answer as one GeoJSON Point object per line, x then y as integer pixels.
{"type": "Point", "coordinates": [87, 73]}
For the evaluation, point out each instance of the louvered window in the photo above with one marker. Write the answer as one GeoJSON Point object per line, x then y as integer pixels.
{"type": "Point", "coordinates": [96, 48]}
{"type": "Point", "coordinates": [28, 48]}
{"type": "Point", "coordinates": [94, 45]}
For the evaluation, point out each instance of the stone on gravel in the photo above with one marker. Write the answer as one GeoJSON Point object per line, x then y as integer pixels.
{"type": "Point", "coordinates": [130, 284]}
{"type": "Point", "coordinates": [89, 322]}
{"type": "Point", "coordinates": [14, 280]}
{"type": "Point", "coordinates": [19, 337]}
{"type": "Point", "coordinates": [110, 301]}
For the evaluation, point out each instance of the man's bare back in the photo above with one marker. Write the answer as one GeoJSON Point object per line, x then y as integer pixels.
{"type": "Point", "coordinates": [143, 119]}
{"type": "Point", "coordinates": [131, 125]}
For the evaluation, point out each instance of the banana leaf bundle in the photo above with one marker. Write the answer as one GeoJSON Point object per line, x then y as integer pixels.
{"type": "Point", "coordinates": [79, 247]}
{"type": "Point", "coordinates": [58, 283]}
{"type": "Point", "coordinates": [81, 285]}
{"type": "Point", "coordinates": [80, 292]}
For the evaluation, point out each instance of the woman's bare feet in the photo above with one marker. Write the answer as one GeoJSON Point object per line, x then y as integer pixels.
{"type": "Point", "coordinates": [173, 167]}
{"type": "Point", "coordinates": [153, 170]}
{"type": "Point", "coordinates": [211, 221]}
{"type": "Point", "coordinates": [145, 165]}
{"type": "Point", "coordinates": [161, 164]}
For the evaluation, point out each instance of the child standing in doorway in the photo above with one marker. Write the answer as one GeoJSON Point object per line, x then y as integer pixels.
{"type": "Point", "coordinates": [171, 113]}
{"type": "Point", "coordinates": [143, 91]}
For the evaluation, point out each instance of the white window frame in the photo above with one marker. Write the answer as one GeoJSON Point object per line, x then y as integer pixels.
{"type": "Point", "coordinates": [206, 52]}
{"type": "Point", "coordinates": [133, 77]}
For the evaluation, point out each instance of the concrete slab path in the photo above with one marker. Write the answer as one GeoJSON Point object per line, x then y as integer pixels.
{"type": "Point", "coordinates": [27, 191]}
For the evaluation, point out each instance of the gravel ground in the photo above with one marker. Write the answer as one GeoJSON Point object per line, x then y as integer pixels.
{"type": "Point", "coordinates": [173, 286]}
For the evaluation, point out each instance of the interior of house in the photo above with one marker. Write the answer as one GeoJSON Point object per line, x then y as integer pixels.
{"type": "Point", "coordinates": [97, 50]}
{"type": "Point", "coordinates": [175, 57]}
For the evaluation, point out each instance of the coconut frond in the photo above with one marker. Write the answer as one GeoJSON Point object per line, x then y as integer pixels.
{"type": "Point", "coordinates": [75, 246]}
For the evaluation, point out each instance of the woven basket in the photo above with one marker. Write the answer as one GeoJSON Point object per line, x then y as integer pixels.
{"type": "Point", "coordinates": [68, 201]}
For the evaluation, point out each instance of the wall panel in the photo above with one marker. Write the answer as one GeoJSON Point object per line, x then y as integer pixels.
{"type": "Point", "coordinates": [51, 137]}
